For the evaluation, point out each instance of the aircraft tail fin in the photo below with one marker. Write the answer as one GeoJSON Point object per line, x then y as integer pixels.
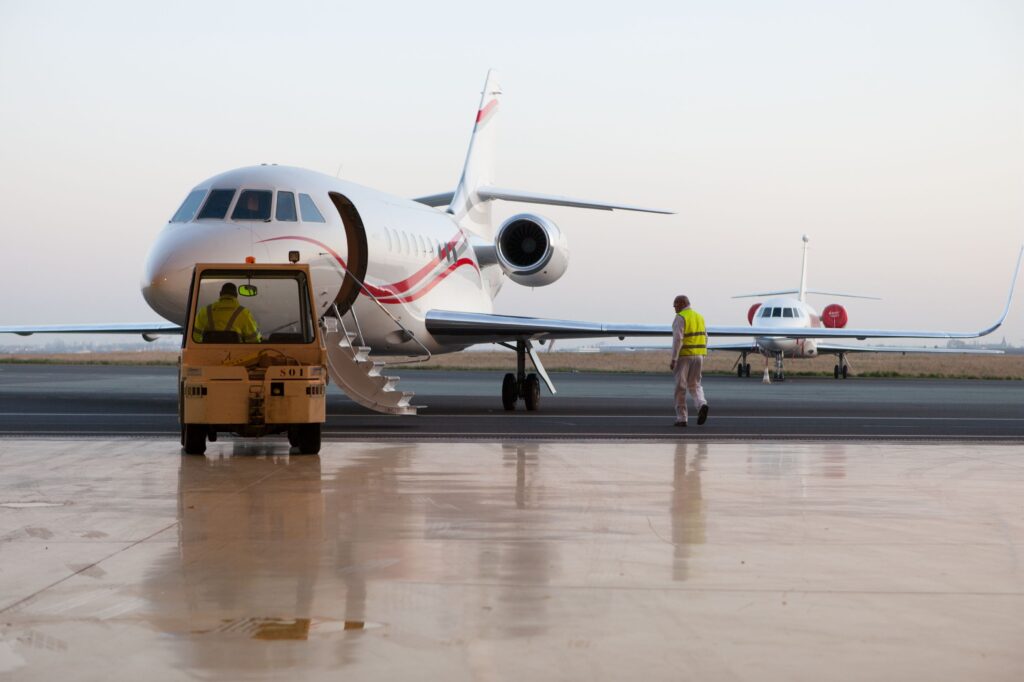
{"type": "Point", "coordinates": [470, 210]}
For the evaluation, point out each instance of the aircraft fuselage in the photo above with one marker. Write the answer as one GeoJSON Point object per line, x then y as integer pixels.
{"type": "Point", "coordinates": [401, 254]}
{"type": "Point", "coordinates": [787, 312]}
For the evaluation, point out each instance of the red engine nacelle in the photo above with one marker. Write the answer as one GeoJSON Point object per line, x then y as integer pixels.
{"type": "Point", "coordinates": [834, 316]}
{"type": "Point", "coordinates": [750, 313]}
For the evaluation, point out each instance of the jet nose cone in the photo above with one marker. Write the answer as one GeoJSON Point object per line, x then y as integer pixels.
{"type": "Point", "coordinates": [168, 271]}
{"type": "Point", "coordinates": [165, 288]}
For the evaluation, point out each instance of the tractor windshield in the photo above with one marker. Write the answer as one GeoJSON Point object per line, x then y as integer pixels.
{"type": "Point", "coordinates": [260, 306]}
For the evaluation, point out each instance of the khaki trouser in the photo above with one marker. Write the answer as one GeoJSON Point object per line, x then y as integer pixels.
{"type": "Point", "coordinates": [688, 374]}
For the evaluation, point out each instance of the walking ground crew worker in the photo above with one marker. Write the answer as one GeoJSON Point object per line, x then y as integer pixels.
{"type": "Point", "coordinates": [227, 315]}
{"type": "Point", "coordinates": [689, 346]}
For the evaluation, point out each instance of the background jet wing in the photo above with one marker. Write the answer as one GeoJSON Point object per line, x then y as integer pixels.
{"type": "Point", "coordinates": [839, 348]}
{"type": "Point", "coordinates": [739, 347]}
{"type": "Point", "coordinates": [147, 329]}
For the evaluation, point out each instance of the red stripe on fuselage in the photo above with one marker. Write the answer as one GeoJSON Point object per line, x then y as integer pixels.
{"type": "Point", "coordinates": [390, 293]}
{"type": "Point", "coordinates": [433, 283]}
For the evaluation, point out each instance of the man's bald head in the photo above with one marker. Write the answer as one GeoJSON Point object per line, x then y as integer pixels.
{"type": "Point", "coordinates": [681, 302]}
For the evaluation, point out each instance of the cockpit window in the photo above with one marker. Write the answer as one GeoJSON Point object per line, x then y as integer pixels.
{"type": "Point", "coordinates": [189, 206]}
{"type": "Point", "coordinates": [776, 312]}
{"type": "Point", "coordinates": [253, 205]}
{"type": "Point", "coordinates": [787, 312]}
{"type": "Point", "coordinates": [766, 312]}
{"type": "Point", "coordinates": [310, 213]}
{"type": "Point", "coordinates": [286, 207]}
{"type": "Point", "coordinates": [216, 206]}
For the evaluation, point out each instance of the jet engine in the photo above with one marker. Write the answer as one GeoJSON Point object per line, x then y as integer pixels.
{"type": "Point", "coordinates": [531, 250]}
{"type": "Point", "coordinates": [834, 316]}
{"type": "Point", "coordinates": [753, 311]}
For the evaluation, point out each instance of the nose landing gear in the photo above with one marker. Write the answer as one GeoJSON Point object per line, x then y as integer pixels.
{"type": "Point", "coordinates": [780, 374]}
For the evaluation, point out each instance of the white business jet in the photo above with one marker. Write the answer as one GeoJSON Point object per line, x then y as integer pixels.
{"type": "Point", "coordinates": [394, 276]}
{"type": "Point", "coordinates": [783, 311]}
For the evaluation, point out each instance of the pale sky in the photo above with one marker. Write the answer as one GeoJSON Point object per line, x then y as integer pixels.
{"type": "Point", "coordinates": [890, 132]}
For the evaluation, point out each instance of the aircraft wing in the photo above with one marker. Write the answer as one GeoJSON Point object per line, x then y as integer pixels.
{"type": "Point", "coordinates": [839, 348]}
{"type": "Point", "coordinates": [489, 328]}
{"type": "Point", "coordinates": [147, 329]}
{"type": "Point", "coordinates": [470, 328]}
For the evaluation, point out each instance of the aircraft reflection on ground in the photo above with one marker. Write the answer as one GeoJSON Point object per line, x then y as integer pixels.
{"type": "Point", "coordinates": [321, 551]}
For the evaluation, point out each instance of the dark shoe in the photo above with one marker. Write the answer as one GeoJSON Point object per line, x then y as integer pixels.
{"type": "Point", "coordinates": [681, 424]}
{"type": "Point", "coordinates": [702, 414]}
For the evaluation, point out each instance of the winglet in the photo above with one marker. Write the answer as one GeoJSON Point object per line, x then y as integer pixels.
{"type": "Point", "coordinates": [1009, 297]}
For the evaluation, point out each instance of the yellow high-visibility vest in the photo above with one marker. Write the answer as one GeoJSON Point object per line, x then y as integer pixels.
{"type": "Point", "coordinates": [695, 335]}
{"type": "Point", "coordinates": [226, 314]}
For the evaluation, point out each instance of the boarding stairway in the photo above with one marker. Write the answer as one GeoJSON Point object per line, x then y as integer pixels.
{"type": "Point", "coordinates": [359, 375]}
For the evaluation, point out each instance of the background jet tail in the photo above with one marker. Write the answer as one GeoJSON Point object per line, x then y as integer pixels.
{"type": "Point", "coordinates": [470, 210]}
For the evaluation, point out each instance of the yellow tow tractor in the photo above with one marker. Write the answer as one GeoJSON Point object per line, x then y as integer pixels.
{"type": "Point", "coordinates": [253, 360]}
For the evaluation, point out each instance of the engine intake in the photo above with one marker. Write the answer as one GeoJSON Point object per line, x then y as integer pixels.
{"type": "Point", "coordinates": [531, 250]}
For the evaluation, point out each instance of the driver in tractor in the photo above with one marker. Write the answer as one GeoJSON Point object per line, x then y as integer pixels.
{"type": "Point", "coordinates": [226, 314]}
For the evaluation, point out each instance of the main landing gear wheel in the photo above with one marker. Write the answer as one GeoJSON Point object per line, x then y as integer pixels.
{"type": "Point", "coordinates": [739, 371]}
{"type": "Point", "coordinates": [520, 386]}
{"type": "Point", "coordinates": [531, 393]}
{"type": "Point", "coordinates": [194, 437]}
{"type": "Point", "coordinates": [846, 371]}
{"type": "Point", "coordinates": [746, 370]}
{"type": "Point", "coordinates": [835, 372]}
{"type": "Point", "coordinates": [509, 392]}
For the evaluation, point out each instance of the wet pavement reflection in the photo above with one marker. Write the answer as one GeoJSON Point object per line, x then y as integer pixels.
{"type": "Point", "coordinates": [502, 561]}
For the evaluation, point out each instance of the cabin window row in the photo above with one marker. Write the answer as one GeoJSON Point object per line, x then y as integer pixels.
{"type": "Point", "coordinates": [416, 244]}
{"type": "Point", "coordinates": [252, 204]}
{"type": "Point", "coordinates": [782, 312]}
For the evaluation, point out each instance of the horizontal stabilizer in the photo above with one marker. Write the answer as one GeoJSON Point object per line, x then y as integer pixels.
{"type": "Point", "coordinates": [552, 200]}
{"type": "Point", "coordinates": [765, 294]}
{"type": "Point", "coordinates": [832, 293]}
{"type": "Point", "coordinates": [489, 193]}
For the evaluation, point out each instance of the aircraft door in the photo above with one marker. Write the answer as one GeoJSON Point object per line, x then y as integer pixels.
{"type": "Point", "coordinates": [356, 266]}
